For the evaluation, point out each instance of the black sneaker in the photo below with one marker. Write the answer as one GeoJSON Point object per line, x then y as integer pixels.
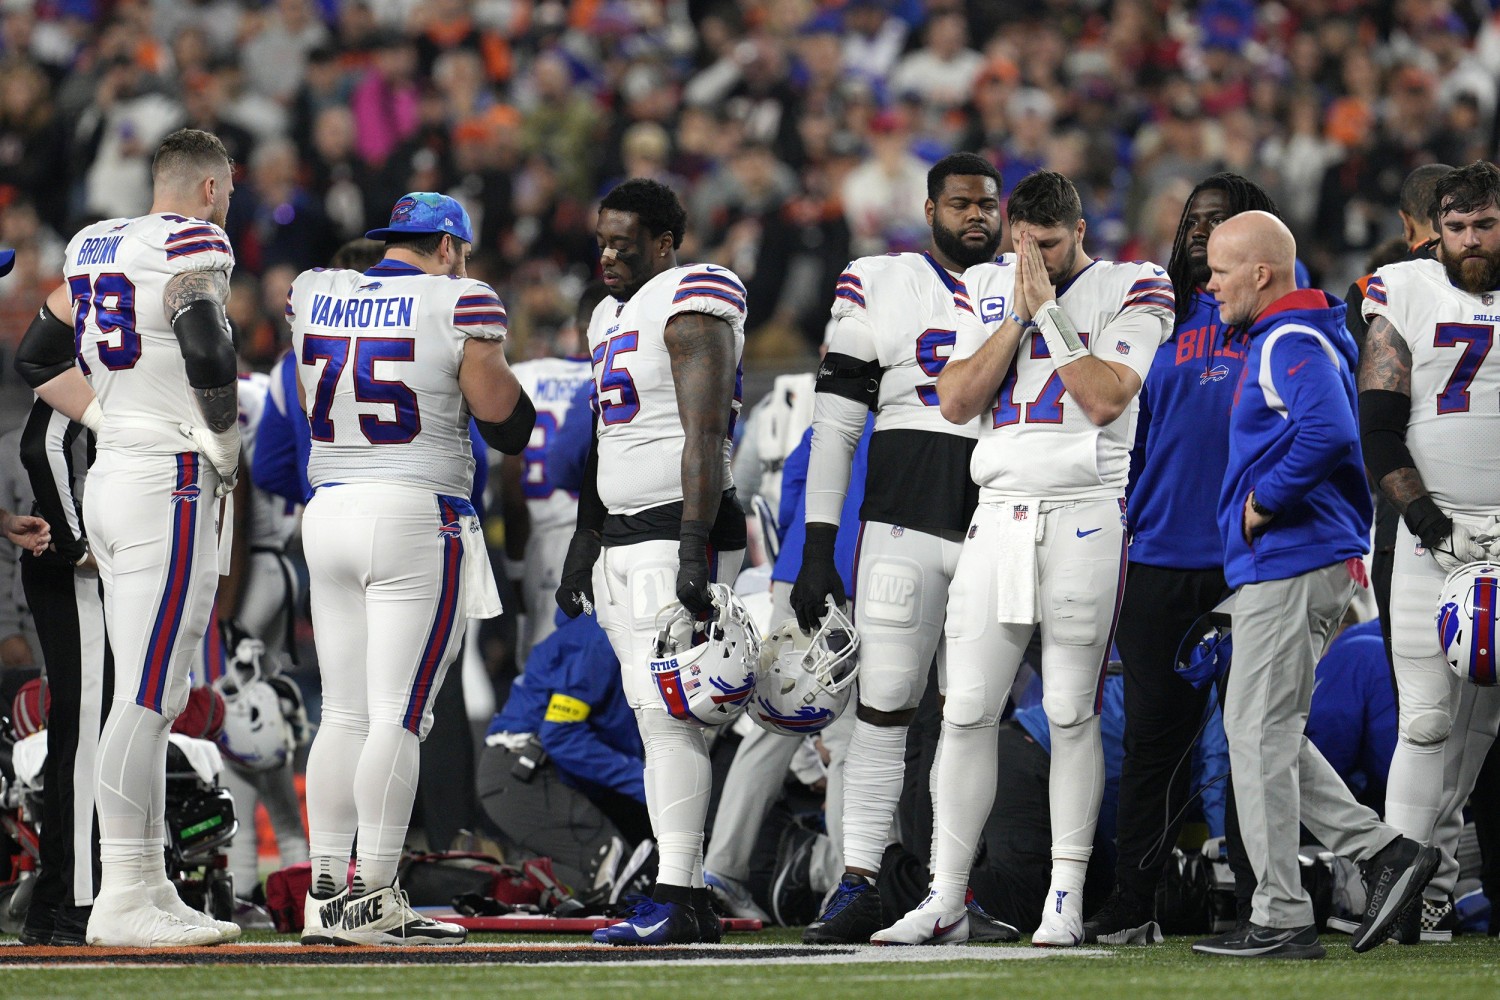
{"type": "Point", "coordinates": [852, 915]}
{"type": "Point", "coordinates": [69, 924]}
{"type": "Point", "coordinates": [710, 930]}
{"type": "Point", "coordinates": [1119, 921]}
{"type": "Point", "coordinates": [1397, 876]}
{"type": "Point", "coordinates": [1256, 941]}
{"type": "Point", "coordinates": [985, 929]}
{"type": "Point", "coordinates": [40, 917]}
{"type": "Point", "coordinates": [1430, 922]}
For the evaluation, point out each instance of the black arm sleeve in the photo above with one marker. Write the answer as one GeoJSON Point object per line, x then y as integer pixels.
{"type": "Point", "coordinates": [47, 455]}
{"type": "Point", "coordinates": [203, 336]}
{"type": "Point", "coordinates": [1383, 416]}
{"type": "Point", "coordinates": [851, 378]}
{"type": "Point", "coordinates": [590, 508]}
{"type": "Point", "coordinates": [46, 351]}
{"type": "Point", "coordinates": [512, 434]}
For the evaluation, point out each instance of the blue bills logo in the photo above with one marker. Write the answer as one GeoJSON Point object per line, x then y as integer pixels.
{"type": "Point", "coordinates": [807, 718]}
{"type": "Point", "coordinates": [452, 529]}
{"type": "Point", "coordinates": [1217, 373]}
{"type": "Point", "coordinates": [186, 494]}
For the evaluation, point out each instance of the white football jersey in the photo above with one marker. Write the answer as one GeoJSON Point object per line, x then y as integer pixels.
{"type": "Point", "coordinates": [272, 519]}
{"type": "Point", "coordinates": [551, 383]}
{"type": "Point", "coordinates": [1454, 428]}
{"type": "Point", "coordinates": [379, 354]}
{"type": "Point", "coordinates": [640, 431]}
{"type": "Point", "coordinates": [902, 311]}
{"type": "Point", "coordinates": [117, 273]}
{"type": "Point", "coordinates": [1036, 442]}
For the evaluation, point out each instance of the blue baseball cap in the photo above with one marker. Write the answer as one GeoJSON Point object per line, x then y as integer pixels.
{"type": "Point", "coordinates": [426, 212]}
{"type": "Point", "coordinates": [7, 261]}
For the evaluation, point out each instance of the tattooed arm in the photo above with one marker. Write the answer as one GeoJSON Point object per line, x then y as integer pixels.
{"type": "Point", "coordinates": [194, 303]}
{"type": "Point", "coordinates": [1385, 409]}
{"type": "Point", "coordinates": [701, 349]}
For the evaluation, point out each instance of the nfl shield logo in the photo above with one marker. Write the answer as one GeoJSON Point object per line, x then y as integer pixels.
{"type": "Point", "coordinates": [1122, 348]}
{"type": "Point", "coordinates": [897, 531]}
{"type": "Point", "coordinates": [1487, 299]}
{"type": "Point", "coordinates": [973, 530]}
{"type": "Point", "coordinates": [1019, 511]}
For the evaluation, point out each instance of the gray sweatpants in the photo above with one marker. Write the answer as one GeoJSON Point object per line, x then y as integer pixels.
{"type": "Point", "coordinates": [1281, 628]}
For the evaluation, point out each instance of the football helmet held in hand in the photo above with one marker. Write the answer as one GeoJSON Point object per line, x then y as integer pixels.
{"type": "Point", "coordinates": [705, 671]}
{"type": "Point", "coordinates": [804, 682]}
{"type": "Point", "coordinates": [256, 733]}
{"type": "Point", "coordinates": [1467, 621]}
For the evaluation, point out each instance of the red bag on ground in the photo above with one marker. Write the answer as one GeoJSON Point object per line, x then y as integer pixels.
{"type": "Point", "coordinates": [286, 896]}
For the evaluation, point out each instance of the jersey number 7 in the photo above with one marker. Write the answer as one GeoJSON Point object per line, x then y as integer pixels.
{"type": "Point", "coordinates": [1047, 408]}
{"type": "Point", "coordinates": [334, 352]}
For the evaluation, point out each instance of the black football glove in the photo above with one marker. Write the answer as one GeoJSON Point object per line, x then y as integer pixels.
{"type": "Point", "coordinates": [818, 579]}
{"type": "Point", "coordinates": [692, 568]}
{"type": "Point", "coordinates": [576, 594]}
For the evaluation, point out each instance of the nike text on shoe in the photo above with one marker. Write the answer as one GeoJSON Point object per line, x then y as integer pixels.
{"type": "Point", "coordinates": [384, 917]}
{"type": "Point", "coordinates": [934, 921]}
{"type": "Point", "coordinates": [1062, 920]}
{"type": "Point", "coordinates": [734, 898]}
{"type": "Point", "coordinates": [125, 918]}
{"type": "Point", "coordinates": [1256, 941]}
{"type": "Point", "coordinates": [1396, 877]}
{"type": "Point", "coordinates": [321, 917]}
{"type": "Point", "coordinates": [1119, 921]}
{"type": "Point", "coordinates": [650, 922]}
{"type": "Point", "coordinates": [984, 928]}
{"type": "Point", "coordinates": [851, 916]}
{"type": "Point", "coordinates": [164, 897]}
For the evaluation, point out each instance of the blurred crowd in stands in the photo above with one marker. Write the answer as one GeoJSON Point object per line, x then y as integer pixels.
{"type": "Point", "coordinates": [797, 131]}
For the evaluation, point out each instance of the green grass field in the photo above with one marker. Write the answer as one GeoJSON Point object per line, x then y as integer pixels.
{"type": "Point", "coordinates": [1468, 969]}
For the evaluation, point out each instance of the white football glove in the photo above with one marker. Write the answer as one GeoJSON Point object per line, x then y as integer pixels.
{"type": "Point", "coordinates": [222, 451]}
{"type": "Point", "coordinates": [1465, 545]}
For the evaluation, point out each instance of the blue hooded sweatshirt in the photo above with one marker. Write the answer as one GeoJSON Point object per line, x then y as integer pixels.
{"type": "Point", "coordinates": [1294, 440]}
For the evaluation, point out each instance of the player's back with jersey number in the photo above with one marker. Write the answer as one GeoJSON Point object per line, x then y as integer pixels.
{"type": "Point", "coordinates": [1036, 441]}
{"type": "Point", "coordinates": [1454, 429]}
{"type": "Point", "coordinates": [378, 358]}
{"type": "Point", "coordinates": [117, 273]}
{"type": "Point", "coordinates": [640, 429]}
{"type": "Point", "coordinates": [551, 383]}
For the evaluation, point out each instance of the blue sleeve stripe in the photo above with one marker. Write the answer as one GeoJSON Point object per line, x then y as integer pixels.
{"type": "Point", "coordinates": [1160, 301]}
{"type": "Point", "coordinates": [683, 294]}
{"type": "Point", "coordinates": [197, 232]}
{"type": "Point", "coordinates": [1145, 283]}
{"type": "Point", "coordinates": [852, 278]}
{"type": "Point", "coordinates": [1375, 291]}
{"type": "Point", "coordinates": [187, 250]}
{"type": "Point", "coordinates": [480, 319]}
{"type": "Point", "coordinates": [851, 295]}
{"type": "Point", "coordinates": [478, 300]}
{"type": "Point", "coordinates": [718, 279]}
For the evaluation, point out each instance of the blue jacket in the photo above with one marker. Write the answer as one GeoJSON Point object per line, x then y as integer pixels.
{"type": "Point", "coordinates": [569, 449]}
{"type": "Point", "coordinates": [1294, 440]}
{"type": "Point", "coordinates": [1182, 444]}
{"type": "Point", "coordinates": [793, 512]}
{"type": "Point", "coordinates": [572, 698]}
{"type": "Point", "coordinates": [1352, 721]}
{"type": "Point", "coordinates": [283, 444]}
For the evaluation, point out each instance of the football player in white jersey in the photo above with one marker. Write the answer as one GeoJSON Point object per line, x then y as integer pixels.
{"type": "Point", "coordinates": [657, 512]}
{"type": "Point", "coordinates": [1429, 406]}
{"type": "Point", "coordinates": [155, 380]}
{"type": "Point", "coordinates": [897, 317]}
{"type": "Point", "coordinates": [392, 363]}
{"type": "Point", "coordinates": [1054, 385]}
{"type": "Point", "coordinates": [539, 517]}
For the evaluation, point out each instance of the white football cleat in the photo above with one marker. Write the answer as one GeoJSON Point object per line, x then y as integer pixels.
{"type": "Point", "coordinates": [1062, 920]}
{"type": "Point", "coordinates": [125, 918]}
{"type": "Point", "coordinates": [384, 917]}
{"type": "Point", "coordinates": [321, 917]}
{"type": "Point", "coordinates": [934, 921]}
{"type": "Point", "coordinates": [164, 897]}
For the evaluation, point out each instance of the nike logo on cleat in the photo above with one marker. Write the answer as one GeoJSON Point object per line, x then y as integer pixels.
{"type": "Point", "coordinates": [938, 930]}
{"type": "Point", "coordinates": [648, 931]}
{"type": "Point", "coordinates": [1085, 534]}
{"type": "Point", "coordinates": [332, 912]}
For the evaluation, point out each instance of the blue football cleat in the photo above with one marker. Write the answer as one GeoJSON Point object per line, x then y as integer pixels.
{"type": "Point", "coordinates": [650, 922]}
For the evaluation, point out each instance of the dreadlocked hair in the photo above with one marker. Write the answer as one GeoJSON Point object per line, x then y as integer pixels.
{"type": "Point", "coordinates": [1243, 195]}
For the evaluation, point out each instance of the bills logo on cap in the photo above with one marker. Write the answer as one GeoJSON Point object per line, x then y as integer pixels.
{"type": "Point", "coordinates": [403, 209]}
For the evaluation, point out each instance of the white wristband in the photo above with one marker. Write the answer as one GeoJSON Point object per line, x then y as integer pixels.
{"type": "Point", "coordinates": [93, 417]}
{"type": "Point", "coordinates": [1063, 342]}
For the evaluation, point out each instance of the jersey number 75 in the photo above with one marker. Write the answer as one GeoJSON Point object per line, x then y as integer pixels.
{"type": "Point", "coordinates": [335, 353]}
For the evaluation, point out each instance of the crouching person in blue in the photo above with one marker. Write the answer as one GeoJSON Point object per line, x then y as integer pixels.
{"type": "Point", "coordinates": [561, 775]}
{"type": "Point", "coordinates": [1294, 516]}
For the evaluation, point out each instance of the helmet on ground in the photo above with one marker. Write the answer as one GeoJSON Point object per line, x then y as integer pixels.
{"type": "Point", "coordinates": [804, 682]}
{"type": "Point", "coordinates": [705, 671]}
{"type": "Point", "coordinates": [1467, 621]}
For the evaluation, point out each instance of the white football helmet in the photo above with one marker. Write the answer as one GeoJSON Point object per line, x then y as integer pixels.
{"type": "Point", "coordinates": [1468, 617]}
{"type": "Point", "coordinates": [256, 732]}
{"type": "Point", "coordinates": [804, 682]}
{"type": "Point", "coordinates": [705, 671]}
